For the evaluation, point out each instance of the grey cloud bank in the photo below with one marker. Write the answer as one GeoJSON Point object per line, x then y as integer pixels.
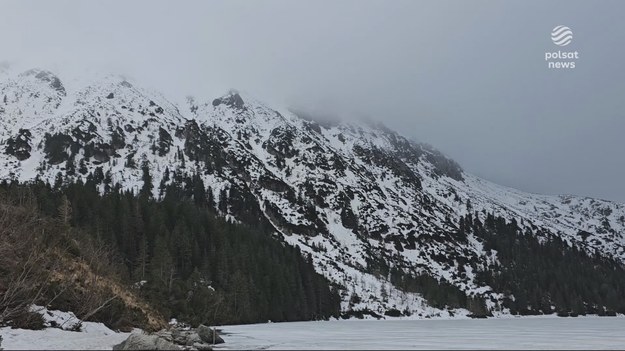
{"type": "Point", "coordinates": [469, 78]}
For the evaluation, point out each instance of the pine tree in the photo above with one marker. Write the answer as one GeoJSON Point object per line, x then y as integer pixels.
{"type": "Point", "coordinates": [199, 192]}
{"type": "Point", "coordinates": [162, 263]}
{"type": "Point", "coordinates": [70, 167]}
{"type": "Point", "coordinates": [146, 190]}
{"type": "Point", "coordinates": [82, 167]}
{"type": "Point", "coordinates": [58, 181]}
{"type": "Point", "coordinates": [223, 201]}
{"type": "Point", "coordinates": [65, 211]}
{"type": "Point", "coordinates": [108, 180]}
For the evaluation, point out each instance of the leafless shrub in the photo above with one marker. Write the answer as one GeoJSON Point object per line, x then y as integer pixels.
{"type": "Point", "coordinates": [23, 260]}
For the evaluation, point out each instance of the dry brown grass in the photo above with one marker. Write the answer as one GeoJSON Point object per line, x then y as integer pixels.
{"type": "Point", "coordinates": [96, 291]}
{"type": "Point", "coordinates": [43, 261]}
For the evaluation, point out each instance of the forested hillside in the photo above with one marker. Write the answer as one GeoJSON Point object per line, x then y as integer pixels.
{"type": "Point", "coordinates": [541, 274]}
{"type": "Point", "coordinates": [177, 256]}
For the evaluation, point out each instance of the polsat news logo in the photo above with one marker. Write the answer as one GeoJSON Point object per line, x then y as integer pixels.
{"type": "Point", "coordinates": [561, 36]}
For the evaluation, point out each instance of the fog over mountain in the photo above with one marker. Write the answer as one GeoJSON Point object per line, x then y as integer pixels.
{"type": "Point", "coordinates": [171, 168]}
{"type": "Point", "coordinates": [468, 78]}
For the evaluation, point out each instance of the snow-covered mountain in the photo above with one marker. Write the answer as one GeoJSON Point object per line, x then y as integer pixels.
{"type": "Point", "coordinates": [353, 196]}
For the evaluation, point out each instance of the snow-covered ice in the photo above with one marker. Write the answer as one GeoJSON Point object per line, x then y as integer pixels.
{"type": "Point", "coordinates": [504, 333]}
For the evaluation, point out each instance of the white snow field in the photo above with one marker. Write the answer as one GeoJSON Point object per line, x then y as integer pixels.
{"type": "Point", "coordinates": [499, 333]}
{"type": "Point", "coordinates": [93, 336]}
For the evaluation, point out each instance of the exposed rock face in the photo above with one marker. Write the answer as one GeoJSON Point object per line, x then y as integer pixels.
{"type": "Point", "coordinates": [173, 339]}
{"type": "Point", "coordinates": [145, 342]}
{"type": "Point", "coordinates": [232, 100]}
{"type": "Point", "coordinates": [208, 335]}
{"type": "Point", "coordinates": [187, 338]}
{"type": "Point", "coordinates": [19, 146]}
{"type": "Point", "coordinates": [47, 77]}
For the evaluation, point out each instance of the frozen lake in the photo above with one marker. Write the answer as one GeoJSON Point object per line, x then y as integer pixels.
{"type": "Point", "coordinates": [509, 333]}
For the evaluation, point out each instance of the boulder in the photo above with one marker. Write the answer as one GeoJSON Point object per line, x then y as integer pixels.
{"type": "Point", "coordinates": [194, 337]}
{"type": "Point", "coordinates": [202, 347]}
{"type": "Point", "coordinates": [208, 335]}
{"type": "Point", "coordinates": [145, 342]}
{"type": "Point", "coordinates": [164, 334]}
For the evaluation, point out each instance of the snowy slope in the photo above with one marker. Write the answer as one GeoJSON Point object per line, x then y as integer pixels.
{"type": "Point", "coordinates": [353, 196]}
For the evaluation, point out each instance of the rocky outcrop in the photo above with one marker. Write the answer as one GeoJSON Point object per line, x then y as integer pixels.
{"type": "Point", "coordinates": [233, 99]}
{"type": "Point", "coordinates": [47, 77]}
{"type": "Point", "coordinates": [176, 338]}
{"type": "Point", "coordinates": [20, 145]}
{"type": "Point", "coordinates": [209, 335]}
{"type": "Point", "coordinates": [145, 342]}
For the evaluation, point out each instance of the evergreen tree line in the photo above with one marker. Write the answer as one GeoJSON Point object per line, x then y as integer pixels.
{"type": "Point", "coordinates": [541, 274]}
{"type": "Point", "coordinates": [185, 260]}
{"type": "Point", "coordinates": [438, 293]}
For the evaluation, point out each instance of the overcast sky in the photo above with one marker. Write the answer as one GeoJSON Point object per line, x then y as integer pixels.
{"type": "Point", "coordinates": [468, 77]}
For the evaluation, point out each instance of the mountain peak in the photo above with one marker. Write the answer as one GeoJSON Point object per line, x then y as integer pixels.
{"type": "Point", "coordinates": [232, 99]}
{"type": "Point", "coordinates": [46, 77]}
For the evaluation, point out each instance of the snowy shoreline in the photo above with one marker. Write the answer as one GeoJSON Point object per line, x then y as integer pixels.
{"type": "Point", "coordinates": [96, 336]}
